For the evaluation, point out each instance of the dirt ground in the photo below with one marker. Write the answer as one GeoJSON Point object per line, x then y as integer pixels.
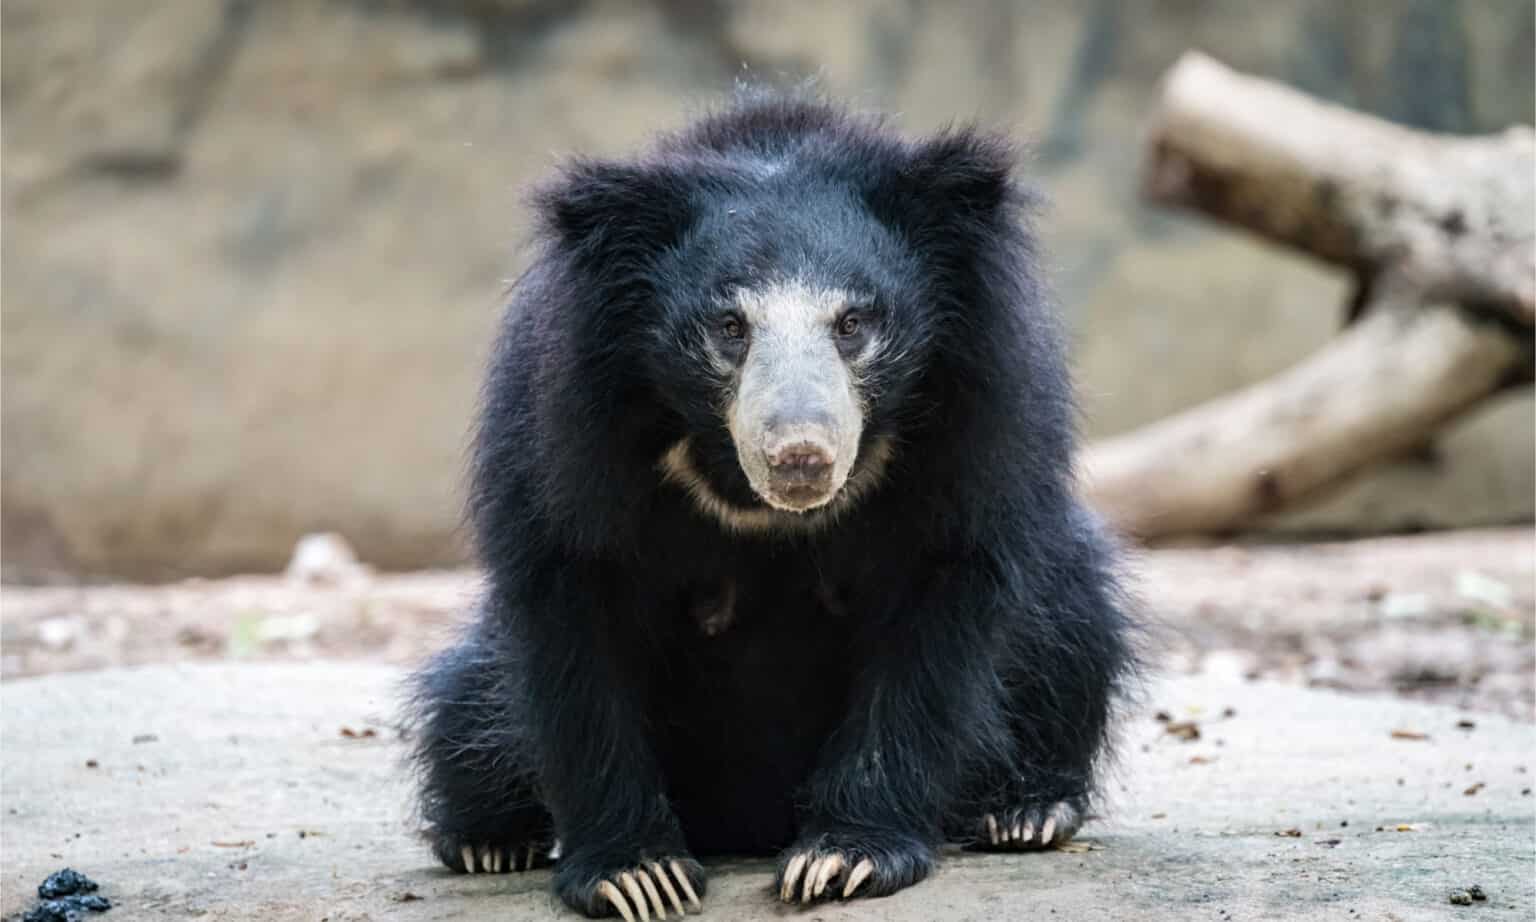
{"type": "Point", "coordinates": [1448, 618]}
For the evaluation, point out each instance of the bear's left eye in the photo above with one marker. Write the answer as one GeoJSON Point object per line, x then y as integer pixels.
{"type": "Point", "coordinates": [848, 326]}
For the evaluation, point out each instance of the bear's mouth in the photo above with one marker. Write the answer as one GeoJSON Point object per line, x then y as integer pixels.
{"type": "Point", "coordinates": [795, 508]}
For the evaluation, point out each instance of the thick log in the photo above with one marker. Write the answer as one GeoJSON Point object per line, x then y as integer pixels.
{"type": "Point", "coordinates": [1381, 387]}
{"type": "Point", "coordinates": [1455, 214]}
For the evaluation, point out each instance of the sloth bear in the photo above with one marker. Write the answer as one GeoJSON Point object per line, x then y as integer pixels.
{"type": "Point", "coordinates": [772, 485]}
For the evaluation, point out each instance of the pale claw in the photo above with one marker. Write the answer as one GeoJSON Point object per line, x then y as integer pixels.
{"type": "Point", "coordinates": [682, 881]}
{"type": "Point", "coordinates": [861, 871]}
{"type": "Point", "coordinates": [992, 828]}
{"type": "Point", "coordinates": [792, 877]}
{"type": "Point", "coordinates": [495, 861]}
{"type": "Point", "coordinates": [468, 855]}
{"type": "Point", "coordinates": [1029, 833]}
{"type": "Point", "coordinates": [660, 874]}
{"type": "Point", "coordinates": [485, 858]}
{"type": "Point", "coordinates": [1014, 834]}
{"type": "Point", "coordinates": [829, 869]}
{"type": "Point", "coordinates": [637, 898]}
{"type": "Point", "coordinates": [651, 893]}
{"type": "Point", "coordinates": [1048, 830]}
{"type": "Point", "coordinates": [613, 896]}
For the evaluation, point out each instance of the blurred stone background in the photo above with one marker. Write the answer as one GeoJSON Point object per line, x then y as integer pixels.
{"type": "Point", "coordinates": [253, 251]}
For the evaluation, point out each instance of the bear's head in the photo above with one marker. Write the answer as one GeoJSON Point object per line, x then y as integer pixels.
{"type": "Point", "coordinates": [786, 276]}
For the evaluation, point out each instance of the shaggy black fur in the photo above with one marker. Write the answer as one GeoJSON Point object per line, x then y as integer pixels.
{"type": "Point", "coordinates": [643, 682]}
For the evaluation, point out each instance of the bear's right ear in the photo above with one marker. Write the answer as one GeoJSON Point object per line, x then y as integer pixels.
{"type": "Point", "coordinates": [615, 211]}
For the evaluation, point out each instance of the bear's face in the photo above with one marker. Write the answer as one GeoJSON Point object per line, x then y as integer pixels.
{"type": "Point", "coordinates": [785, 333]}
{"type": "Point", "coordinates": [784, 309]}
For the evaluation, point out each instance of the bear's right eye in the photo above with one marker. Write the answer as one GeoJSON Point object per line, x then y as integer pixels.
{"type": "Point", "coordinates": [732, 328]}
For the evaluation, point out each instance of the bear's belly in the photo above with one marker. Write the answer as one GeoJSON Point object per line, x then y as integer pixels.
{"type": "Point", "coordinates": [743, 717]}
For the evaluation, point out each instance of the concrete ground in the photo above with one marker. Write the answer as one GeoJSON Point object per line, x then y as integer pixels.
{"type": "Point", "coordinates": [275, 792]}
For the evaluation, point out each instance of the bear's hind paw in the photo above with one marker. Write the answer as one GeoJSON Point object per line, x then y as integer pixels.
{"type": "Point", "coordinates": [1028, 828]}
{"type": "Point", "coordinates": [497, 859]}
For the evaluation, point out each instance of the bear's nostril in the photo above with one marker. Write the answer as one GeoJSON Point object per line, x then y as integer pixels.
{"type": "Point", "coordinates": [802, 462]}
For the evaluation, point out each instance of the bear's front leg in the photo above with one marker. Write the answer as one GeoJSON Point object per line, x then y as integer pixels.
{"type": "Point", "coordinates": [927, 708]}
{"type": "Point", "coordinates": [621, 846]}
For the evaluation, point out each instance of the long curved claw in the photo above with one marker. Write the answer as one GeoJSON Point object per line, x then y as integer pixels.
{"type": "Point", "coordinates": [792, 876]}
{"type": "Point", "coordinates": [636, 898]}
{"type": "Point", "coordinates": [829, 868]}
{"type": "Point", "coordinates": [467, 854]}
{"type": "Point", "coordinates": [861, 872]}
{"type": "Point", "coordinates": [608, 890]}
{"type": "Point", "coordinates": [682, 881]}
{"type": "Point", "coordinates": [651, 893]}
{"type": "Point", "coordinates": [660, 874]}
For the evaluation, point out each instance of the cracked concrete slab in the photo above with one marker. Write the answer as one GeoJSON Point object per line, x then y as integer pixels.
{"type": "Point", "coordinates": [276, 792]}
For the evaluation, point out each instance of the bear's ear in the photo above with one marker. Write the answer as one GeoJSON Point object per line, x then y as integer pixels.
{"type": "Point", "coordinates": [958, 182]}
{"type": "Point", "coordinates": [610, 210]}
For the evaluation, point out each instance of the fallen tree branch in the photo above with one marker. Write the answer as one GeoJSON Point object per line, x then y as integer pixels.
{"type": "Point", "coordinates": [1379, 388]}
{"type": "Point", "coordinates": [1457, 214]}
{"type": "Point", "coordinates": [1440, 232]}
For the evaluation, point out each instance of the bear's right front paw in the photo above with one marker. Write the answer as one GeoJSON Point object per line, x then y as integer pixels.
{"type": "Point", "coordinates": [637, 890]}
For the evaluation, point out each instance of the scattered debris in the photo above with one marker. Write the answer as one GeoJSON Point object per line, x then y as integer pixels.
{"type": "Point", "coordinates": [1460, 898]}
{"type": "Point", "coordinates": [406, 897]}
{"type": "Point", "coordinates": [1479, 587]}
{"type": "Point", "coordinates": [1409, 735]}
{"type": "Point", "coordinates": [324, 560]}
{"type": "Point", "coordinates": [363, 734]}
{"type": "Point", "coordinates": [1162, 717]}
{"type": "Point", "coordinates": [92, 763]}
{"type": "Point", "coordinates": [1396, 605]}
{"type": "Point", "coordinates": [1476, 892]}
{"type": "Point", "coordinates": [1201, 760]}
{"type": "Point", "coordinates": [287, 628]}
{"type": "Point", "coordinates": [1185, 730]}
{"type": "Point", "coordinates": [1472, 791]}
{"type": "Point", "coordinates": [64, 896]}
{"type": "Point", "coordinates": [1466, 724]}
{"type": "Point", "coordinates": [59, 634]}
{"type": "Point", "coordinates": [243, 843]}
{"type": "Point", "coordinates": [65, 883]}
{"type": "Point", "coordinates": [1159, 816]}
{"type": "Point", "coordinates": [1331, 843]}
{"type": "Point", "coordinates": [145, 738]}
{"type": "Point", "coordinates": [1292, 833]}
{"type": "Point", "coordinates": [1079, 846]}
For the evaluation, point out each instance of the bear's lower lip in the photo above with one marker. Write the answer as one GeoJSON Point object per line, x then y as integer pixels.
{"type": "Point", "coordinates": [798, 498]}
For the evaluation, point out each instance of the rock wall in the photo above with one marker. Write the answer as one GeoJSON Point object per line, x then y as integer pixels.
{"type": "Point", "coordinates": [253, 252]}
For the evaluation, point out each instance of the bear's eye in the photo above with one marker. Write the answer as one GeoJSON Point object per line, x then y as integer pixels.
{"type": "Point", "coordinates": [848, 326]}
{"type": "Point", "coordinates": [732, 328]}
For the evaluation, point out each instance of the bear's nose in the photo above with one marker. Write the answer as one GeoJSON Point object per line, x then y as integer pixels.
{"type": "Point", "coordinates": [801, 463]}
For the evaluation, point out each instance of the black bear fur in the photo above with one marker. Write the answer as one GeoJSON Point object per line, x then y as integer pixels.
{"type": "Point", "coordinates": [645, 681]}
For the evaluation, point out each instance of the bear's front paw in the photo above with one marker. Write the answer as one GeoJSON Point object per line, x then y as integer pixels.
{"type": "Point", "coordinates": [841, 865]}
{"type": "Point", "coordinates": [1031, 827]}
{"type": "Point", "coordinates": [637, 890]}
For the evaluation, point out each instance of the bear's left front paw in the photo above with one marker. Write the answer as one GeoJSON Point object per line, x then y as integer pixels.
{"type": "Point", "coordinates": [840, 865]}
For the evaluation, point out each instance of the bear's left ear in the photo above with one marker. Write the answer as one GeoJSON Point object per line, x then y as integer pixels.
{"type": "Point", "coordinates": [614, 212]}
{"type": "Point", "coordinates": [959, 182]}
